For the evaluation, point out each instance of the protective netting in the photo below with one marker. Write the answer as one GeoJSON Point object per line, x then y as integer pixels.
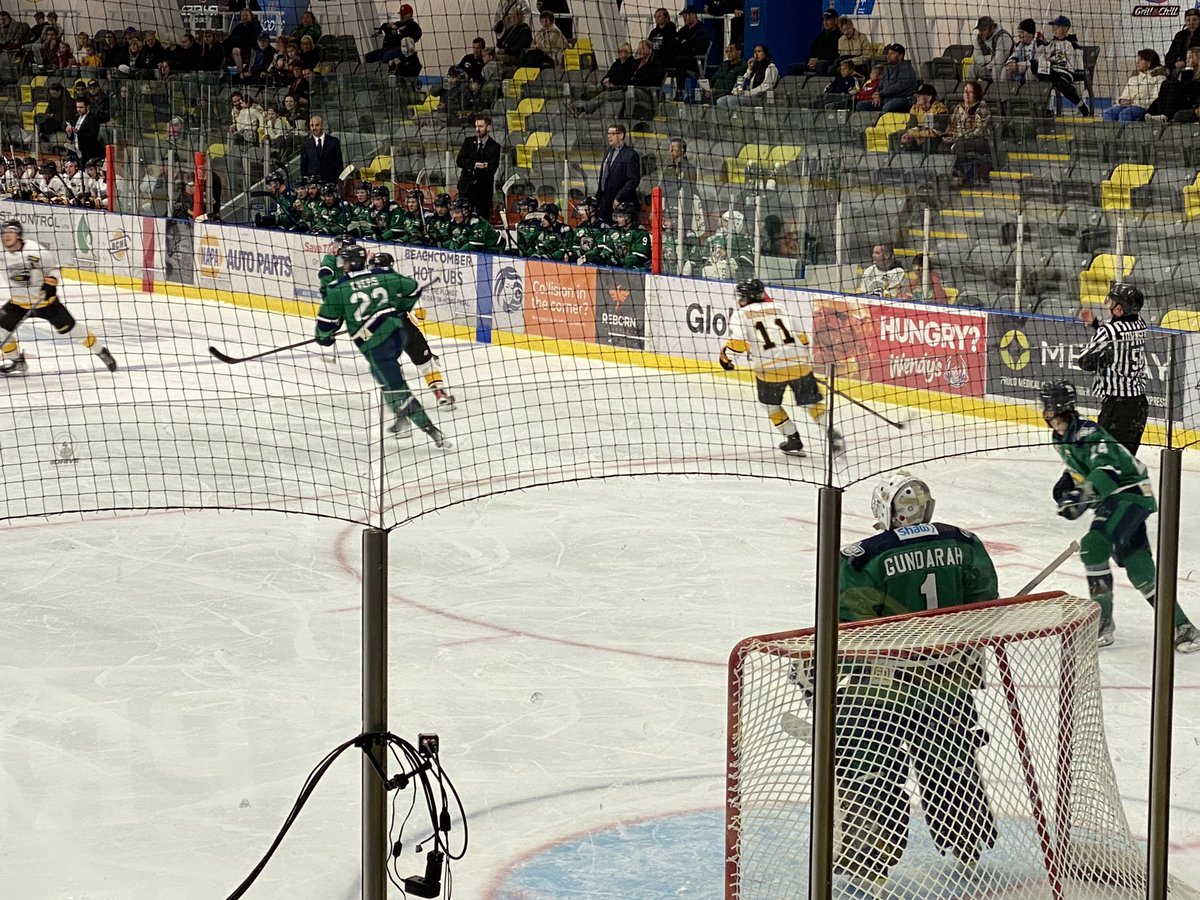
{"type": "Point", "coordinates": [971, 760]}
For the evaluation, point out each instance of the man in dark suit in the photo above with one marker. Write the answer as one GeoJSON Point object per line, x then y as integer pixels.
{"type": "Point", "coordinates": [321, 153]}
{"type": "Point", "coordinates": [620, 172]}
{"type": "Point", "coordinates": [84, 132]}
{"type": "Point", "coordinates": [479, 159]}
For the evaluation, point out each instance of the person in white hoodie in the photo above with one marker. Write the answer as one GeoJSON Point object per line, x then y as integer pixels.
{"type": "Point", "coordinates": [1140, 91]}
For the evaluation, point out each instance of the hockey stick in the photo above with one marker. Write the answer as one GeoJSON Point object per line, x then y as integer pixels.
{"type": "Point", "coordinates": [233, 360]}
{"type": "Point", "coordinates": [863, 406]}
{"type": "Point", "coordinates": [504, 189]}
{"type": "Point", "coordinates": [1046, 572]}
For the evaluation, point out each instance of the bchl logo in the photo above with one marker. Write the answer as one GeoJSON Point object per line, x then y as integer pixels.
{"type": "Point", "coordinates": [706, 320]}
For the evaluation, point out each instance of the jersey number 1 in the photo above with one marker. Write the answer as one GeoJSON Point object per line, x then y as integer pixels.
{"type": "Point", "coordinates": [929, 591]}
{"type": "Point", "coordinates": [769, 344]}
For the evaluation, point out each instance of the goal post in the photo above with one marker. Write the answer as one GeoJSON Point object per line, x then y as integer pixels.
{"type": "Point", "coordinates": [971, 759]}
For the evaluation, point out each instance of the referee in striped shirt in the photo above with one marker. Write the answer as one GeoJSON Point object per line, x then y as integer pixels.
{"type": "Point", "coordinates": [1117, 356]}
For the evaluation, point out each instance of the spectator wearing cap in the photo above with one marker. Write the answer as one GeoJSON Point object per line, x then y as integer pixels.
{"type": "Point", "coordinates": [1140, 91]}
{"type": "Point", "coordinates": [13, 34]}
{"type": "Point", "coordinates": [407, 27]}
{"type": "Point", "coordinates": [854, 45]}
{"type": "Point", "coordinates": [1060, 62]}
{"type": "Point", "coordinates": [255, 71]}
{"type": "Point", "coordinates": [927, 120]}
{"type": "Point", "coordinates": [97, 99]}
{"type": "Point", "coordinates": [562, 16]}
{"type": "Point", "coordinates": [514, 36]}
{"type": "Point", "coordinates": [546, 52]}
{"type": "Point", "coordinates": [691, 47]}
{"type": "Point", "coordinates": [1020, 61]}
{"type": "Point", "coordinates": [897, 87]}
{"type": "Point", "coordinates": [1186, 38]}
{"type": "Point", "coordinates": [993, 46]}
{"type": "Point", "coordinates": [823, 53]}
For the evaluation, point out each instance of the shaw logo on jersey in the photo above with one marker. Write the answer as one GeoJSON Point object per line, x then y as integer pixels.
{"type": "Point", "coordinates": [912, 531]}
{"type": "Point", "coordinates": [922, 558]}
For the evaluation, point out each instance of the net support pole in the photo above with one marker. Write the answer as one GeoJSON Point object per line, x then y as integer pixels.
{"type": "Point", "coordinates": [374, 713]}
{"type": "Point", "coordinates": [1019, 275]}
{"type": "Point", "coordinates": [656, 230]}
{"type": "Point", "coordinates": [928, 223]}
{"type": "Point", "coordinates": [839, 244]}
{"type": "Point", "coordinates": [679, 223]}
{"type": "Point", "coordinates": [758, 235]}
{"type": "Point", "coordinates": [1157, 829]}
{"type": "Point", "coordinates": [110, 176]}
{"type": "Point", "coordinates": [820, 858]}
{"type": "Point", "coordinates": [201, 185]}
{"type": "Point", "coordinates": [1119, 275]}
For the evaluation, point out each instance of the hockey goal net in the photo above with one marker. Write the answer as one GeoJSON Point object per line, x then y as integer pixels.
{"type": "Point", "coordinates": [970, 760]}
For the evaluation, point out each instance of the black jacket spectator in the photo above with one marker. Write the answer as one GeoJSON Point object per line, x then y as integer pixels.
{"type": "Point", "coordinates": [212, 54]}
{"type": "Point", "coordinates": [620, 172]}
{"type": "Point", "coordinates": [186, 55]}
{"type": "Point", "coordinates": [478, 183]}
{"type": "Point", "coordinates": [113, 53]}
{"type": "Point", "coordinates": [663, 38]}
{"type": "Point", "coordinates": [691, 48]}
{"type": "Point", "coordinates": [1186, 38]}
{"type": "Point", "coordinates": [407, 65]}
{"type": "Point", "coordinates": [562, 16]}
{"type": "Point", "coordinates": [514, 39]}
{"type": "Point", "coordinates": [321, 157]}
{"type": "Point", "coordinates": [648, 72]}
{"type": "Point", "coordinates": [823, 53]}
{"type": "Point", "coordinates": [472, 66]}
{"type": "Point", "coordinates": [244, 35]}
{"type": "Point", "coordinates": [151, 54]}
{"type": "Point", "coordinates": [87, 134]}
{"type": "Point", "coordinates": [620, 73]}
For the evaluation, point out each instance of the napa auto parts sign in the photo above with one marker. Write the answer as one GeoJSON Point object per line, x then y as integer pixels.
{"type": "Point", "coordinates": [924, 347]}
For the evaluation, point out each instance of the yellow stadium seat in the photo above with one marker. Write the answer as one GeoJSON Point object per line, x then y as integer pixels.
{"type": "Point", "coordinates": [216, 150]}
{"type": "Point", "coordinates": [967, 62]}
{"type": "Point", "coordinates": [1191, 200]}
{"type": "Point", "coordinates": [512, 87]}
{"type": "Point", "coordinates": [1181, 319]}
{"type": "Point", "coordinates": [783, 154]}
{"type": "Point", "coordinates": [951, 295]}
{"type": "Point", "coordinates": [527, 107]}
{"type": "Point", "coordinates": [1096, 279]}
{"type": "Point", "coordinates": [735, 167]}
{"type": "Point", "coordinates": [877, 134]}
{"type": "Point", "coordinates": [533, 143]}
{"type": "Point", "coordinates": [584, 45]}
{"type": "Point", "coordinates": [571, 60]}
{"type": "Point", "coordinates": [1116, 191]}
{"type": "Point", "coordinates": [374, 167]}
{"type": "Point", "coordinates": [429, 104]}
{"type": "Point", "coordinates": [26, 93]}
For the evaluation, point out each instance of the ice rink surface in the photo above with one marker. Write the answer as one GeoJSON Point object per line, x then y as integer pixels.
{"type": "Point", "coordinates": [170, 678]}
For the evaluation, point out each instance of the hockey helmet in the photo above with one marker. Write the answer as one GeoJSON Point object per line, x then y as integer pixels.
{"type": "Point", "coordinates": [588, 203]}
{"type": "Point", "coordinates": [750, 291]}
{"type": "Point", "coordinates": [363, 189]}
{"type": "Point", "coordinates": [379, 192]}
{"type": "Point", "coordinates": [381, 260]}
{"type": "Point", "coordinates": [527, 205]}
{"type": "Point", "coordinates": [1130, 297]}
{"type": "Point", "coordinates": [734, 220]}
{"type": "Point", "coordinates": [13, 225]}
{"type": "Point", "coordinates": [1058, 397]}
{"type": "Point", "coordinates": [626, 211]}
{"type": "Point", "coordinates": [550, 209]}
{"type": "Point", "coordinates": [353, 257]}
{"type": "Point", "coordinates": [276, 177]}
{"type": "Point", "coordinates": [900, 499]}
{"type": "Point", "coordinates": [329, 189]}
{"type": "Point", "coordinates": [462, 205]}
{"type": "Point", "coordinates": [442, 201]}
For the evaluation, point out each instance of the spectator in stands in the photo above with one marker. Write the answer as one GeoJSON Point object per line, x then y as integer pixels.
{"type": "Point", "coordinates": [514, 36]}
{"type": "Point", "coordinates": [1017, 66]}
{"type": "Point", "coordinates": [869, 89]}
{"type": "Point", "coordinates": [885, 277]}
{"type": "Point", "coordinates": [84, 131]}
{"type": "Point", "coordinates": [620, 172]}
{"type": "Point", "coordinates": [620, 73]}
{"type": "Point", "coordinates": [1140, 91]}
{"type": "Point", "coordinates": [993, 47]}
{"type": "Point", "coordinates": [823, 52]}
{"type": "Point", "coordinates": [691, 48]}
{"type": "Point", "coordinates": [493, 70]}
{"type": "Point", "coordinates": [238, 5]}
{"type": "Point", "coordinates": [562, 16]}
{"type": "Point", "coordinates": [280, 72]}
{"type": "Point", "coordinates": [1060, 62]}
{"type": "Point", "coordinates": [927, 120]}
{"type": "Point", "coordinates": [407, 27]}
{"type": "Point", "coordinates": [472, 63]}
{"type": "Point", "coordinates": [839, 93]}
{"type": "Point", "coordinates": [612, 86]}
{"type": "Point", "coordinates": [298, 87]}
{"type": "Point", "coordinates": [243, 38]}
{"type": "Point", "coordinates": [56, 54]}
{"type": "Point", "coordinates": [212, 53]}
{"type": "Point", "coordinates": [246, 119]}
{"type": "Point", "coordinates": [897, 87]}
{"type": "Point", "coordinates": [112, 52]}
{"type": "Point", "coordinates": [87, 54]}
{"type": "Point", "coordinates": [13, 34]}
{"type": "Point", "coordinates": [548, 45]}
{"type": "Point", "coordinates": [967, 136]}
{"type": "Point", "coordinates": [276, 130]}
{"type": "Point", "coordinates": [756, 83]}
{"type": "Point", "coordinates": [39, 27]}
{"type": "Point", "coordinates": [59, 107]}
{"type": "Point", "coordinates": [1186, 38]}
{"type": "Point", "coordinates": [478, 161]}
{"type": "Point", "coordinates": [321, 155]}
{"type": "Point", "coordinates": [1178, 95]}
{"type": "Point", "coordinates": [186, 55]}
{"type": "Point", "coordinates": [309, 55]}
{"type": "Point", "coordinates": [726, 76]}
{"type": "Point", "coordinates": [662, 35]}
{"type": "Point", "coordinates": [935, 293]}
{"type": "Point", "coordinates": [308, 25]}
{"type": "Point", "coordinates": [394, 34]}
{"type": "Point", "coordinates": [407, 64]}
{"type": "Point", "coordinates": [151, 54]}
{"type": "Point", "coordinates": [678, 168]}
{"type": "Point", "coordinates": [291, 112]}
{"type": "Point", "coordinates": [648, 76]}
{"type": "Point", "coordinates": [259, 64]}
{"type": "Point", "coordinates": [853, 45]}
{"type": "Point", "coordinates": [97, 99]}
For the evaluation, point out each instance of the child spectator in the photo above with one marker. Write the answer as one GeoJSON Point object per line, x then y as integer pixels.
{"type": "Point", "coordinates": [935, 293]}
{"type": "Point", "coordinates": [840, 92]}
{"type": "Point", "coordinates": [870, 88]}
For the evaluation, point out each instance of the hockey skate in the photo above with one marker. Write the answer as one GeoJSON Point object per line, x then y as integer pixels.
{"type": "Point", "coordinates": [793, 446]}
{"type": "Point", "coordinates": [444, 398]}
{"type": "Point", "coordinates": [402, 427]}
{"type": "Point", "coordinates": [439, 440]}
{"type": "Point", "coordinates": [1108, 630]}
{"type": "Point", "coordinates": [1187, 638]}
{"type": "Point", "coordinates": [14, 366]}
{"type": "Point", "coordinates": [837, 444]}
{"type": "Point", "coordinates": [107, 359]}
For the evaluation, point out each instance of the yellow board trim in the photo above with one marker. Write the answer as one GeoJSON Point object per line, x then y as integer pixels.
{"type": "Point", "coordinates": [993, 410]}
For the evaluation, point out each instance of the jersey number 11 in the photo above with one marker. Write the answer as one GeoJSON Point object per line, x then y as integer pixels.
{"type": "Point", "coordinates": [769, 344]}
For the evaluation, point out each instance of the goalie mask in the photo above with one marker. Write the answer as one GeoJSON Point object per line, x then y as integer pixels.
{"type": "Point", "coordinates": [733, 221]}
{"type": "Point", "coordinates": [901, 499]}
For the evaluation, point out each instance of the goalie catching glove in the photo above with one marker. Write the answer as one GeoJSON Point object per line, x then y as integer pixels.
{"type": "Point", "coordinates": [1073, 498]}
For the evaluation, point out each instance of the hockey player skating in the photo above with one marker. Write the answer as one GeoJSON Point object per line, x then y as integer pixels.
{"type": "Point", "coordinates": [1103, 476]}
{"type": "Point", "coordinates": [780, 359]}
{"type": "Point", "coordinates": [415, 344]}
{"type": "Point", "coordinates": [901, 713]}
{"type": "Point", "coordinates": [375, 305]}
{"type": "Point", "coordinates": [31, 279]}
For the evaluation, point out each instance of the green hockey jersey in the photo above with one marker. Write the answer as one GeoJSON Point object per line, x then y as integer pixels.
{"type": "Point", "coordinates": [359, 221]}
{"type": "Point", "coordinates": [629, 247]}
{"type": "Point", "coordinates": [553, 242]}
{"type": "Point", "coordinates": [589, 243]}
{"type": "Point", "coordinates": [1094, 456]}
{"type": "Point", "coordinates": [527, 232]}
{"type": "Point", "coordinates": [439, 230]}
{"type": "Point", "coordinates": [474, 235]}
{"type": "Point", "coordinates": [329, 219]}
{"type": "Point", "coordinates": [410, 228]}
{"type": "Point", "coordinates": [913, 568]}
{"type": "Point", "coordinates": [372, 304]}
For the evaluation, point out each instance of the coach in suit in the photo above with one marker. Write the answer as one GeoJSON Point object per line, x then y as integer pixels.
{"type": "Point", "coordinates": [620, 172]}
{"type": "Point", "coordinates": [479, 159]}
{"type": "Point", "coordinates": [320, 154]}
{"type": "Point", "coordinates": [85, 132]}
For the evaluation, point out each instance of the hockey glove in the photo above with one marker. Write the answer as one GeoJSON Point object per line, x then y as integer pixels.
{"type": "Point", "coordinates": [49, 292]}
{"type": "Point", "coordinates": [1075, 502]}
{"type": "Point", "coordinates": [726, 362]}
{"type": "Point", "coordinates": [326, 340]}
{"type": "Point", "coordinates": [1065, 484]}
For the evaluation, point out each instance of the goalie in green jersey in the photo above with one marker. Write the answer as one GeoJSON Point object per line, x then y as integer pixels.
{"type": "Point", "coordinates": [897, 713]}
{"type": "Point", "coordinates": [374, 305]}
{"type": "Point", "coordinates": [1103, 476]}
